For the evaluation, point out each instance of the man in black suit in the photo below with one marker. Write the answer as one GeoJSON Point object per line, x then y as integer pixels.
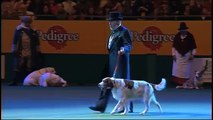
{"type": "Point", "coordinates": [25, 50]}
{"type": "Point", "coordinates": [119, 43]}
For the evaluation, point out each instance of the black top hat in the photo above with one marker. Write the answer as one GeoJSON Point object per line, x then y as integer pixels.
{"type": "Point", "coordinates": [115, 16]}
{"type": "Point", "coordinates": [183, 26]}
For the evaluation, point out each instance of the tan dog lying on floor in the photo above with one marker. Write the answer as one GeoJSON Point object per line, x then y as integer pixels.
{"type": "Point", "coordinates": [34, 77]}
{"type": "Point", "coordinates": [192, 83]}
{"type": "Point", "coordinates": [126, 90]}
{"type": "Point", "coordinates": [196, 81]}
{"type": "Point", "coordinates": [52, 80]}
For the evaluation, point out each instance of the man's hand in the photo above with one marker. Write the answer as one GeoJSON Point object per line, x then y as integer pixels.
{"type": "Point", "coordinates": [121, 51]}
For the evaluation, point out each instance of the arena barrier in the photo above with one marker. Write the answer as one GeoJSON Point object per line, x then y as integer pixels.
{"type": "Point", "coordinates": [90, 37]}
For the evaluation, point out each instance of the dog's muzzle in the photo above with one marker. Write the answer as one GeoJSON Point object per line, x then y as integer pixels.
{"type": "Point", "coordinates": [102, 86]}
{"type": "Point", "coordinates": [99, 85]}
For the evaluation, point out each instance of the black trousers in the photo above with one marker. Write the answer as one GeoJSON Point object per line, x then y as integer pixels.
{"type": "Point", "coordinates": [21, 71]}
{"type": "Point", "coordinates": [19, 76]}
{"type": "Point", "coordinates": [104, 98]}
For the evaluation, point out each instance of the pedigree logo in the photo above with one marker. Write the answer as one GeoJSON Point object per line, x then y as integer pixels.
{"type": "Point", "coordinates": [152, 37]}
{"type": "Point", "coordinates": [57, 36]}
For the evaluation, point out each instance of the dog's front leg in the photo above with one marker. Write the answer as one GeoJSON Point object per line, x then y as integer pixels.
{"type": "Point", "coordinates": [147, 100]}
{"type": "Point", "coordinates": [125, 105]}
{"type": "Point", "coordinates": [146, 108]}
{"type": "Point", "coordinates": [118, 105]}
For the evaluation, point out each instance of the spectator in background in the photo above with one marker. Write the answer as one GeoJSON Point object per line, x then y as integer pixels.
{"type": "Point", "coordinates": [103, 3]}
{"type": "Point", "coordinates": [45, 14]}
{"type": "Point", "coordinates": [134, 8]}
{"type": "Point", "coordinates": [61, 14]}
{"type": "Point", "coordinates": [41, 4]}
{"type": "Point", "coordinates": [163, 11]}
{"type": "Point", "coordinates": [146, 9]}
{"type": "Point", "coordinates": [91, 14]}
{"type": "Point", "coordinates": [107, 7]}
{"type": "Point", "coordinates": [99, 13]}
{"type": "Point", "coordinates": [82, 15]}
{"type": "Point", "coordinates": [205, 14]}
{"type": "Point", "coordinates": [127, 7]}
{"type": "Point", "coordinates": [35, 6]}
{"type": "Point", "coordinates": [16, 4]}
{"type": "Point", "coordinates": [117, 6]}
{"type": "Point", "coordinates": [22, 11]}
{"type": "Point", "coordinates": [195, 9]}
{"type": "Point", "coordinates": [69, 6]}
{"type": "Point", "coordinates": [186, 13]}
{"type": "Point", "coordinates": [186, 10]}
{"type": "Point", "coordinates": [183, 51]}
{"type": "Point", "coordinates": [81, 10]}
{"type": "Point", "coordinates": [30, 5]}
{"type": "Point", "coordinates": [25, 50]}
{"type": "Point", "coordinates": [207, 4]}
{"type": "Point", "coordinates": [206, 10]}
{"type": "Point", "coordinates": [53, 7]}
{"type": "Point", "coordinates": [176, 8]}
{"type": "Point", "coordinates": [7, 11]}
{"type": "Point", "coordinates": [73, 16]}
{"type": "Point", "coordinates": [136, 4]}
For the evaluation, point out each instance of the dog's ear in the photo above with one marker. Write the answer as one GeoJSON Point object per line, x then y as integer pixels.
{"type": "Point", "coordinates": [108, 82]}
{"type": "Point", "coordinates": [105, 79]}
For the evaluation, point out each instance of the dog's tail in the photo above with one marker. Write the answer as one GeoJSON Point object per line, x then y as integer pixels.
{"type": "Point", "coordinates": [161, 85]}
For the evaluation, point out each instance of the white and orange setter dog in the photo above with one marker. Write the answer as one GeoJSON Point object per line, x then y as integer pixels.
{"type": "Point", "coordinates": [44, 77]}
{"type": "Point", "coordinates": [125, 90]}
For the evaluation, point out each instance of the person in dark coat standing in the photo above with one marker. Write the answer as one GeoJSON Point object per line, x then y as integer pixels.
{"type": "Point", "coordinates": [183, 51]}
{"type": "Point", "coordinates": [25, 50]}
{"type": "Point", "coordinates": [119, 43]}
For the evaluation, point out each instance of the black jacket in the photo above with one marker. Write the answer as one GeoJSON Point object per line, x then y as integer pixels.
{"type": "Point", "coordinates": [121, 38]}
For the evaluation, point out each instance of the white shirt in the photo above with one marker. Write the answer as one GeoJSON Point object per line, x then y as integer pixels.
{"type": "Point", "coordinates": [111, 37]}
{"type": "Point", "coordinates": [110, 40]}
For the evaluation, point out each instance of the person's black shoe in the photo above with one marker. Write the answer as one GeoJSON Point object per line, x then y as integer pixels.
{"type": "Point", "coordinates": [131, 107]}
{"type": "Point", "coordinates": [97, 109]}
{"type": "Point", "coordinates": [13, 84]}
{"type": "Point", "coordinates": [130, 111]}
